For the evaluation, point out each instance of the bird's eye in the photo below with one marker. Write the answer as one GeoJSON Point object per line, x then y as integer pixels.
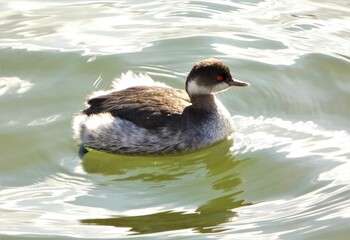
{"type": "Point", "coordinates": [219, 78]}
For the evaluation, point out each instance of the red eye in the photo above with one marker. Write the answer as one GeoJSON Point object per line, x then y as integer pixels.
{"type": "Point", "coordinates": [219, 78]}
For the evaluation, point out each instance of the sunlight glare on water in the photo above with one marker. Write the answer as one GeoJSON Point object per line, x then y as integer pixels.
{"type": "Point", "coordinates": [285, 174]}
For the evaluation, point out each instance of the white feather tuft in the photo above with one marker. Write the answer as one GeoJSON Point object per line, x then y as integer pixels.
{"type": "Point", "coordinates": [131, 79]}
{"type": "Point", "coordinates": [127, 80]}
{"type": "Point", "coordinates": [99, 93]}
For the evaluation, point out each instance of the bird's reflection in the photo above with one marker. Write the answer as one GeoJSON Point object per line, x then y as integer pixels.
{"type": "Point", "coordinates": [206, 219]}
{"type": "Point", "coordinates": [218, 163]}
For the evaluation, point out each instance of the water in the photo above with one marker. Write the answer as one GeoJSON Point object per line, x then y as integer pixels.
{"type": "Point", "coordinates": [286, 176]}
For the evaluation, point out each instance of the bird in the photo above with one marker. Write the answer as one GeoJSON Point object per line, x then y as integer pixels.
{"type": "Point", "coordinates": [150, 118]}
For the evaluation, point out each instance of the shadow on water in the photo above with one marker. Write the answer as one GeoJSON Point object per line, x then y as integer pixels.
{"type": "Point", "coordinates": [211, 168]}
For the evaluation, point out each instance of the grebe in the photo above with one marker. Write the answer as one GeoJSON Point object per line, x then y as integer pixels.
{"type": "Point", "coordinates": [158, 119]}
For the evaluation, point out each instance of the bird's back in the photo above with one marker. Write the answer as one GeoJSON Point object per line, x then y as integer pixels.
{"type": "Point", "coordinates": [147, 107]}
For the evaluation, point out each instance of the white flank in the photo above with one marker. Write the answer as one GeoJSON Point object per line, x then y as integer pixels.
{"type": "Point", "coordinates": [92, 123]}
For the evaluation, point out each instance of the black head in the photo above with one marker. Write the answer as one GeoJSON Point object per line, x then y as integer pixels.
{"type": "Point", "coordinates": [210, 76]}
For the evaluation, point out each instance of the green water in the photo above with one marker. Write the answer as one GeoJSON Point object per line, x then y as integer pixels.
{"type": "Point", "coordinates": [286, 174]}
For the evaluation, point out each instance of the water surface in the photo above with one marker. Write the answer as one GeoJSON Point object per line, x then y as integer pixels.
{"type": "Point", "coordinates": [286, 174]}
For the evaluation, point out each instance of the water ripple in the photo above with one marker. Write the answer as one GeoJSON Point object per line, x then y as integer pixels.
{"type": "Point", "coordinates": [305, 28]}
{"type": "Point", "coordinates": [14, 85]}
{"type": "Point", "coordinates": [226, 191]}
{"type": "Point", "coordinates": [283, 176]}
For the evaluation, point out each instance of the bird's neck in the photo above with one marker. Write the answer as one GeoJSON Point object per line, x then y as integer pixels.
{"type": "Point", "coordinates": [204, 102]}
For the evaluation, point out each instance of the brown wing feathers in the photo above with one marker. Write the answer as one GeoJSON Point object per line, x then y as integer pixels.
{"type": "Point", "coordinates": [148, 107]}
